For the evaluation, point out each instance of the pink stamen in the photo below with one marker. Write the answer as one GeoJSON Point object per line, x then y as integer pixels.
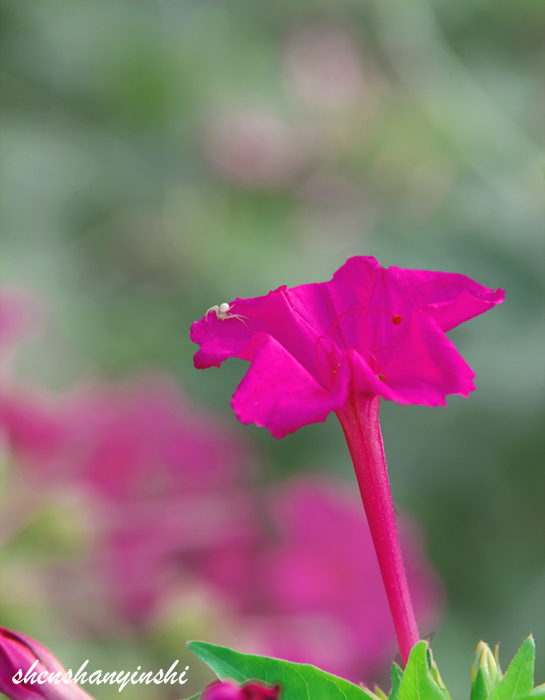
{"type": "Point", "coordinates": [332, 353]}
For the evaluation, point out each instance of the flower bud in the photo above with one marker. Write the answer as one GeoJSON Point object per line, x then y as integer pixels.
{"type": "Point", "coordinates": [29, 671]}
{"type": "Point", "coordinates": [485, 672]}
{"type": "Point", "coordinates": [230, 691]}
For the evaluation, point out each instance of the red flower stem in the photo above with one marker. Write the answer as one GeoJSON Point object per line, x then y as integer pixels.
{"type": "Point", "coordinates": [360, 423]}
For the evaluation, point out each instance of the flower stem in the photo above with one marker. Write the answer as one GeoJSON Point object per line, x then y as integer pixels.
{"type": "Point", "coordinates": [360, 423]}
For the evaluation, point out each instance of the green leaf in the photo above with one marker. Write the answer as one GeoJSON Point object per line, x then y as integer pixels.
{"type": "Point", "coordinates": [299, 681]}
{"type": "Point", "coordinates": [418, 681]}
{"type": "Point", "coordinates": [518, 680]}
{"type": "Point", "coordinates": [397, 677]}
{"type": "Point", "coordinates": [538, 692]}
{"type": "Point", "coordinates": [195, 697]}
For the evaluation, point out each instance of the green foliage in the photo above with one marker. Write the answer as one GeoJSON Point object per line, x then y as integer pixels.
{"type": "Point", "coordinates": [420, 680]}
{"type": "Point", "coordinates": [299, 681]}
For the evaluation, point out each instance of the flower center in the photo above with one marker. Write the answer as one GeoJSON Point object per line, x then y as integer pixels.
{"type": "Point", "coordinates": [333, 362]}
{"type": "Point", "coordinates": [329, 366]}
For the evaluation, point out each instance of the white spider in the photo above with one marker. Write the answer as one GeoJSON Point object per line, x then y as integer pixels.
{"type": "Point", "coordinates": [222, 313]}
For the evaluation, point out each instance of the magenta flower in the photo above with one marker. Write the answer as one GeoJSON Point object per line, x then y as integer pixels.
{"type": "Point", "coordinates": [370, 330]}
{"type": "Point", "coordinates": [35, 431]}
{"type": "Point", "coordinates": [160, 476]}
{"type": "Point", "coordinates": [309, 590]}
{"type": "Point", "coordinates": [164, 479]}
{"type": "Point", "coordinates": [29, 671]}
{"type": "Point", "coordinates": [150, 551]}
{"type": "Point", "coordinates": [164, 476]}
{"type": "Point", "coordinates": [144, 440]}
{"type": "Point", "coordinates": [226, 690]}
{"type": "Point", "coordinates": [138, 440]}
{"type": "Point", "coordinates": [340, 346]}
{"type": "Point", "coordinates": [323, 584]}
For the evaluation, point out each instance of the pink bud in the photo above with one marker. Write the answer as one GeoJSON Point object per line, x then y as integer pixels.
{"type": "Point", "coordinates": [222, 691]}
{"type": "Point", "coordinates": [29, 671]}
{"type": "Point", "coordinates": [226, 690]}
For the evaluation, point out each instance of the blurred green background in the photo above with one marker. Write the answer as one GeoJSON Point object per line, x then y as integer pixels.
{"type": "Point", "coordinates": [162, 156]}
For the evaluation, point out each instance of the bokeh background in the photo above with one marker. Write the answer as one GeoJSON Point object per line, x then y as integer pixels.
{"type": "Point", "coordinates": [163, 156]}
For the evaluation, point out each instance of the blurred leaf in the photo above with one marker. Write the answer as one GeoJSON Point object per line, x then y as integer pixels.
{"type": "Point", "coordinates": [299, 681]}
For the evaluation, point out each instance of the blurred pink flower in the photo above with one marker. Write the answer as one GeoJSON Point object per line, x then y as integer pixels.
{"type": "Point", "coordinates": [145, 440]}
{"type": "Point", "coordinates": [24, 422]}
{"type": "Point", "coordinates": [147, 551]}
{"type": "Point", "coordinates": [139, 440]}
{"type": "Point", "coordinates": [161, 477]}
{"type": "Point", "coordinates": [34, 430]}
{"type": "Point", "coordinates": [315, 594]}
{"type": "Point", "coordinates": [254, 149]}
{"type": "Point", "coordinates": [327, 570]}
{"type": "Point", "coordinates": [226, 690]}
{"type": "Point", "coordinates": [22, 657]}
{"type": "Point", "coordinates": [20, 314]}
{"type": "Point", "coordinates": [325, 66]}
{"type": "Point", "coordinates": [164, 477]}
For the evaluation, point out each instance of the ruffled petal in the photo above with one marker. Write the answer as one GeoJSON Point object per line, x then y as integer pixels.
{"type": "Point", "coordinates": [425, 366]}
{"type": "Point", "coordinates": [449, 297]}
{"type": "Point", "coordinates": [278, 393]}
{"type": "Point", "coordinates": [218, 340]}
{"type": "Point", "coordinates": [279, 313]}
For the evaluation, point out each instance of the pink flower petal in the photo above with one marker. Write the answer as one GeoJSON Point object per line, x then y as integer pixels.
{"type": "Point", "coordinates": [280, 394]}
{"type": "Point", "coordinates": [425, 366]}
